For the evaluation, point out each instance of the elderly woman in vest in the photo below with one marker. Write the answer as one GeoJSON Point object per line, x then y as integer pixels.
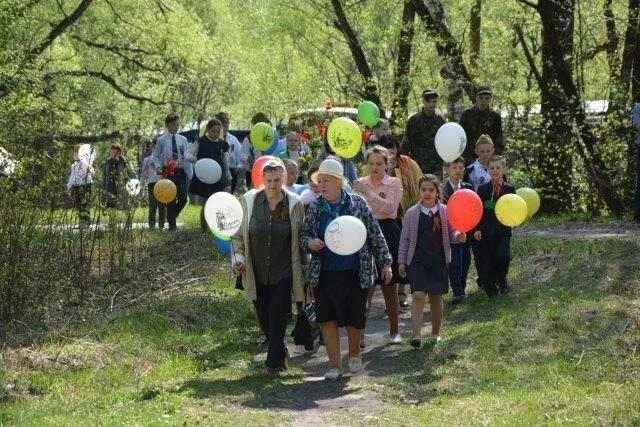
{"type": "Point", "coordinates": [267, 255]}
{"type": "Point", "coordinates": [341, 283]}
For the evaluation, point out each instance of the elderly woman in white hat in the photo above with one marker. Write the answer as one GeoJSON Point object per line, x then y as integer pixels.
{"type": "Point", "coordinates": [267, 255]}
{"type": "Point", "coordinates": [341, 283]}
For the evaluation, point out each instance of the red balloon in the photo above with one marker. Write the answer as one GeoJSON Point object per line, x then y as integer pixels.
{"type": "Point", "coordinates": [464, 210]}
{"type": "Point", "coordinates": [256, 171]}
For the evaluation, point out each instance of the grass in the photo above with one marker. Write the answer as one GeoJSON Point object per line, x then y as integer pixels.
{"type": "Point", "coordinates": [561, 348]}
{"type": "Point", "coordinates": [190, 215]}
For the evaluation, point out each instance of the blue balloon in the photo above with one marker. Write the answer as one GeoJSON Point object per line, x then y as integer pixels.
{"type": "Point", "coordinates": [277, 147]}
{"type": "Point", "coordinates": [224, 246]}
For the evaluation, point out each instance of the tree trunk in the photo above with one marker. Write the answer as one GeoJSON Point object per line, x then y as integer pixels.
{"type": "Point", "coordinates": [342, 24]}
{"type": "Point", "coordinates": [401, 84]}
{"type": "Point", "coordinates": [454, 69]}
{"type": "Point", "coordinates": [475, 23]}
{"type": "Point", "coordinates": [556, 151]}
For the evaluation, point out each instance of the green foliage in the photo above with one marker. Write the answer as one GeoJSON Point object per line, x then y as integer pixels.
{"type": "Point", "coordinates": [560, 348]}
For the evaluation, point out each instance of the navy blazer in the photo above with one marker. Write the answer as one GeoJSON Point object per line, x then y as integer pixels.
{"type": "Point", "coordinates": [489, 224]}
{"type": "Point", "coordinates": [447, 190]}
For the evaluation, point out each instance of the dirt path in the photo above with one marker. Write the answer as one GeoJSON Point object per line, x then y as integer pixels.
{"type": "Point", "coordinates": [584, 230]}
{"type": "Point", "coordinates": [317, 402]}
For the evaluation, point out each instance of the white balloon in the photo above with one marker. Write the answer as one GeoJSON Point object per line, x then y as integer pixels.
{"type": "Point", "coordinates": [208, 171]}
{"type": "Point", "coordinates": [450, 141]}
{"type": "Point", "coordinates": [345, 235]}
{"type": "Point", "coordinates": [223, 213]}
{"type": "Point", "coordinates": [133, 187]}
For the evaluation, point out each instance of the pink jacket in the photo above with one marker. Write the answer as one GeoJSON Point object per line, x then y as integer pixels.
{"type": "Point", "coordinates": [409, 236]}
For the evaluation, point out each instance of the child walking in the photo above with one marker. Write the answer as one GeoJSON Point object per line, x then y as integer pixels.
{"type": "Point", "coordinates": [460, 252]}
{"type": "Point", "coordinates": [424, 255]}
{"type": "Point", "coordinates": [494, 239]}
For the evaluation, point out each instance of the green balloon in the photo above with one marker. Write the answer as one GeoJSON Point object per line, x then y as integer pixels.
{"type": "Point", "coordinates": [344, 137]}
{"type": "Point", "coordinates": [532, 199]}
{"type": "Point", "coordinates": [368, 113]}
{"type": "Point", "coordinates": [262, 136]}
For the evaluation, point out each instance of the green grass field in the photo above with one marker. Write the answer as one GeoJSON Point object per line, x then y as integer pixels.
{"type": "Point", "coordinates": [561, 348]}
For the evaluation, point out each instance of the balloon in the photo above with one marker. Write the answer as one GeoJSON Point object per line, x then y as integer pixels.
{"type": "Point", "coordinates": [344, 137]}
{"type": "Point", "coordinates": [277, 147]}
{"type": "Point", "coordinates": [345, 235]}
{"type": "Point", "coordinates": [464, 210]}
{"type": "Point", "coordinates": [222, 244]}
{"type": "Point", "coordinates": [262, 136]}
{"type": "Point", "coordinates": [256, 171]}
{"type": "Point", "coordinates": [532, 199]}
{"type": "Point", "coordinates": [165, 191]}
{"type": "Point", "coordinates": [450, 141]}
{"type": "Point", "coordinates": [223, 214]}
{"type": "Point", "coordinates": [368, 113]}
{"type": "Point", "coordinates": [208, 171]}
{"type": "Point", "coordinates": [511, 210]}
{"type": "Point", "coordinates": [133, 187]}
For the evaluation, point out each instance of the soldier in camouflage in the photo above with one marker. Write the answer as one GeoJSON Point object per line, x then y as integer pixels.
{"type": "Point", "coordinates": [481, 119]}
{"type": "Point", "coordinates": [419, 135]}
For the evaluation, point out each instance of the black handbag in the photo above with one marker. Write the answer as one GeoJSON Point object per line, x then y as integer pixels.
{"type": "Point", "coordinates": [306, 330]}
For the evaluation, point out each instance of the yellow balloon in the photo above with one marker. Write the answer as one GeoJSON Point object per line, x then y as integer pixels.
{"type": "Point", "coordinates": [511, 210]}
{"type": "Point", "coordinates": [165, 191]}
{"type": "Point", "coordinates": [532, 199]}
{"type": "Point", "coordinates": [344, 137]}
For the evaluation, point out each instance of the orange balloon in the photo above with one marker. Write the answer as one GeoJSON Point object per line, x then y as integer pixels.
{"type": "Point", "coordinates": [464, 210]}
{"type": "Point", "coordinates": [165, 191]}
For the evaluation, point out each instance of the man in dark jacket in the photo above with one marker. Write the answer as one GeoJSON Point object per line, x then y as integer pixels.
{"type": "Point", "coordinates": [481, 119]}
{"type": "Point", "coordinates": [115, 172]}
{"type": "Point", "coordinates": [420, 133]}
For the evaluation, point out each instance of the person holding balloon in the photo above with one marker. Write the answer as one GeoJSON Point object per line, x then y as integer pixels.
{"type": "Point", "coordinates": [460, 252]}
{"type": "Point", "coordinates": [171, 160]}
{"type": "Point", "coordinates": [383, 194]}
{"type": "Point", "coordinates": [477, 173]}
{"type": "Point", "coordinates": [268, 257]}
{"type": "Point", "coordinates": [493, 236]}
{"type": "Point", "coordinates": [346, 244]}
{"type": "Point", "coordinates": [211, 168]}
{"type": "Point", "coordinates": [424, 255]}
{"type": "Point", "coordinates": [149, 176]}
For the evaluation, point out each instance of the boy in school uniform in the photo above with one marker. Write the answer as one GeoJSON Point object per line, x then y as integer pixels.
{"type": "Point", "coordinates": [477, 173]}
{"type": "Point", "coordinates": [493, 239]}
{"type": "Point", "coordinates": [460, 252]}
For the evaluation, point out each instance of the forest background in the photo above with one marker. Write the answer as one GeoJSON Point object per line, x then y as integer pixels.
{"type": "Point", "coordinates": [97, 71]}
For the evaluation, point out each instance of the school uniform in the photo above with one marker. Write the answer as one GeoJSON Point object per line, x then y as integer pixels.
{"type": "Point", "coordinates": [476, 174]}
{"type": "Point", "coordinates": [493, 252]}
{"type": "Point", "coordinates": [460, 252]}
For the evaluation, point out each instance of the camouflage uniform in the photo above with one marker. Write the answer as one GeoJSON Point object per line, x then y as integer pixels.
{"type": "Point", "coordinates": [418, 143]}
{"type": "Point", "coordinates": [475, 123]}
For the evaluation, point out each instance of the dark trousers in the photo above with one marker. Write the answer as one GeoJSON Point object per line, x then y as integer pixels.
{"type": "Point", "coordinates": [273, 307]}
{"type": "Point", "coordinates": [174, 208]}
{"type": "Point", "coordinates": [459, 268]}
{"type": "Point", "coordinates": [492, 256]}
{"type": "Point", "coordinates": [636, 196]}
{"type": "Point", "coordinates": [80, 195]}
{"type": "Point", "coordinates": [154, 207]}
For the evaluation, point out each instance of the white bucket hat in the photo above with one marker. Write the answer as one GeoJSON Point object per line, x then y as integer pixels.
{"type": "Point", "coordinates": [331, 167]}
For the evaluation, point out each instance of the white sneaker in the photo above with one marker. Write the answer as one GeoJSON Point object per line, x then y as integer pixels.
{"type": "Point", "coordinates": [333, 374]}
{"type": "Point", "coordinates": [395, 339]}
{"type": "Point", "coordinates": [355, 364]}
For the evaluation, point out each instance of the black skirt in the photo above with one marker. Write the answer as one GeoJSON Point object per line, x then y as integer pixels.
{"type": "Point", "coordinates": [391, 231]}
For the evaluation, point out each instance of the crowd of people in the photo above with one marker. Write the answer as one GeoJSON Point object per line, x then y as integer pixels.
{"type": "Point", "coordinates": [279, 253]}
